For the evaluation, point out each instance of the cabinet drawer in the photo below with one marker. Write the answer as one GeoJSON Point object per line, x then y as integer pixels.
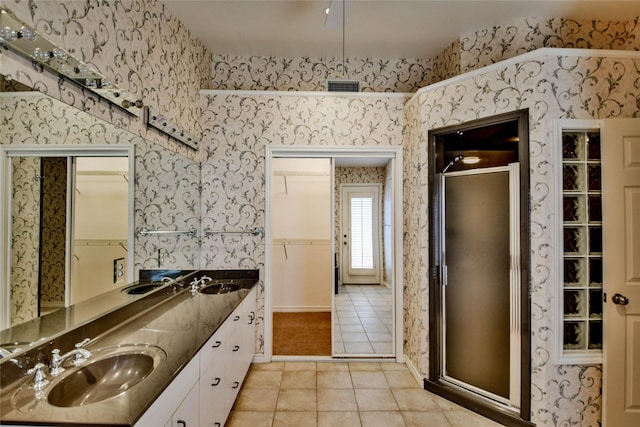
{"type": "Point", "coordinates": [213, 351]}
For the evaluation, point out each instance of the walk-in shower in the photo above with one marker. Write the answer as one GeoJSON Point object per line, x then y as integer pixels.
{"type": "Point", "coordinates": [479, 309]}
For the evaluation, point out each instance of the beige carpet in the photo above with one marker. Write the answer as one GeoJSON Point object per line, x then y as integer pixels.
{"type": "Point", "coordinates": [302, 334]}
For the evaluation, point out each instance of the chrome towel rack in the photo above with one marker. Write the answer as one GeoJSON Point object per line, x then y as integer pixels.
{"type": "Point", "coordinates": [253, 231]}
{"type": "Point", "coordinates": [145, 232]}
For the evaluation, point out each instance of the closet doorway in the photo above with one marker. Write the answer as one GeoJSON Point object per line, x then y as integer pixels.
{"type": "Point", "coordinates": [303, 272]}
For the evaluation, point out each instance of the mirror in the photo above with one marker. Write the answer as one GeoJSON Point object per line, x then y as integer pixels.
{"type": "Point", "coordinates": [163, 194]}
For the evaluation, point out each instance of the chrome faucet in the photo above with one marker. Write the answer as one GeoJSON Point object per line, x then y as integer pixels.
{"type": "Point", "coordinates": [4, 353]}
{"type": "Point", "coordinates": [196, 283]}
{"type": "Point", "coordinates": [39, 378]}
{"type": "Point", "coordinates": [79, 356]}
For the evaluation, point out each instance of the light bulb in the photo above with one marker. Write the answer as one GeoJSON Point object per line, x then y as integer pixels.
{"type": "Point", "coordinates": [59, 54]}
{"type": "Point", "coordinates": [7, 34]}
{"type": "Point", "coordinates": [41, 55]}
{"type": "Point", "coordinates": [27, 34]}
{"type": "Point", "coordinates": [90, 83]}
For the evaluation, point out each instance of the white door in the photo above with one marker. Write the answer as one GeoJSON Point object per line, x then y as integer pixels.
{"type": "Point", "coordinates": [360, 234]}
{"type": "Point", "coordinates": [621, 269]}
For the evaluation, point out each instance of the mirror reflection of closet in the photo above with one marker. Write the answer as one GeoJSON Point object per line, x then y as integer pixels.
{"type": "Point", "coordinates": [69, 229]}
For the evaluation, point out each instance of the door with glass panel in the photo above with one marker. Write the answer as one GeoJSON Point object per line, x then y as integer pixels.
{"type": "Point", "coordinates": [360, 234]}
{"type": "Point", "coordinates": [479, 231]}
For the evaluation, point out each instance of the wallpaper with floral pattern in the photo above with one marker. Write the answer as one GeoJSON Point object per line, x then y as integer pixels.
{"type": "Point", "coordinates": [237, 130]}
{"type": "Point", "coordinates": [490, 45]}
{"type": "Point", "coordinates": [53, 230]}
{"type": "Point", "coordinates": [137, 44]}
{"type": "Point", "coordinates": [550, 87]}
{"type": "Point", "coordinates": [167, 184]}
{"type": "Point", "coordinates": [25, 217]}
{"type": "Point", "coordinates": [311, 74]}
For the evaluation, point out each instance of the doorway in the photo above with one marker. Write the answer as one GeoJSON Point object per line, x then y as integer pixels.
{"type": "Point", "coordinates": [479, 286]}
{"type": "Point", "coordinates": [338, 155]}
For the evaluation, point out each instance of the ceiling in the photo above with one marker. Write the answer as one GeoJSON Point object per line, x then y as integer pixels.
{"type": "Point", "coordinates": [373, 28]}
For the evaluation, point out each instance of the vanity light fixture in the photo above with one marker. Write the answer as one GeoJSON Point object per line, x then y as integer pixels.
{"type": "Point", "coordinates": [18, 37]}
{"type": "Point", "coordinates": [166, 126]}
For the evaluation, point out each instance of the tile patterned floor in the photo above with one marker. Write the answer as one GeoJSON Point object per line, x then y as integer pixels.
{"type": "Point", "coordinates": [364, 320]}
{"type": "Point", "coordinates": [342, 394]}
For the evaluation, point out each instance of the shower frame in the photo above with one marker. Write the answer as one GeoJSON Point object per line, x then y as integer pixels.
{"type": "Point", "coordinates": [436, 381]}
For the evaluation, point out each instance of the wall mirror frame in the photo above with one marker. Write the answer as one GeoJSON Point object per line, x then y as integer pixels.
{"type": "Point", "coordinates": [7, 152]}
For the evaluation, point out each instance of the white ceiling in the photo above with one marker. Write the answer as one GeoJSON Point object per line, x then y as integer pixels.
{"type": "Point", "coordinates": [374, 28]}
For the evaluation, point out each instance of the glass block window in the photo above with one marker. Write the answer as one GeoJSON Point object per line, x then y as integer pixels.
{"type": "Point", "coordinates": [582, 241]}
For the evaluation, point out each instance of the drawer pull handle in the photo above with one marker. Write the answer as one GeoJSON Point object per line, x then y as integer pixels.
{"type": "Point", "coordinates": [236, 384]}
{"type": "Point", "coordinates": [182, 423]}
{"type": "Point", "coordinates": [252, 317]}
{"type": "Point", "coordinates": [217, 381]}
{"type": "Point", "coordinates": [236, 348]}
{"type": "Point", "coordinates": [216, 344]}
{"type": "Point", "coordinates": [235, 319]}
{"type": "Point", "coordinates": [218, 425]}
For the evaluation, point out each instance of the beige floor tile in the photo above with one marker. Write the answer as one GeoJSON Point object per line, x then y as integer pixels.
{"type": "Point", "coordinates": [423, 419]}
{"type": "Point", "coordinates": [338, 419]}
{"type": "Point", "coordinates": [249, 419]}
{"type": "Point", "coordinates": [379, 399]}
{"type": "Point", "coordinates": [337, 400]}
{"type": "Point", "coordinates": [298, 379]}
{"type": "Point", "coordinates": [382, 419]}
{"type": "Point", "coordinates": [364, 347]}
{"type": "Point", "coordinates": [337, 379]}
{"type": "Point", "coordinates": [297, 400]}
{"type": "Point", "coordinates": [444, 404]}
{"type": "Point", "coordinates": [332, 366]}
{"type": "Point", "coordinates": [364, 379]}
{"type": "Point", "coordinates": [364, 366]}
{"type": "Point", "coordinates": [354, 337]}
{"type": "Point", "coordinates": [414, 399]}
{"type": "Point", "coordinates": [297, 419]}
{"type": "Point", "coordinates": [263, 379]}
{"type": "Point", "coordinates": [272, 366]}
{"type": "Point", "coordinates": [393, 366]}
{"type": "Point", "coordinates": [401, 379]}
{"type": "Point", "coordinates": [300, 366]}
{"type": "Point", "coordinates": [255, 399]}
{"type": "Point", "coordinates": [466, 418]}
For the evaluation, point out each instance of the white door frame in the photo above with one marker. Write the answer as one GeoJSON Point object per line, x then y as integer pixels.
{"type": "Point", "coordinates": [394, 154]}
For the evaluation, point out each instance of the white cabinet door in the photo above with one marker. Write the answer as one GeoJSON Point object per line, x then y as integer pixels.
{"type": "Point", "coordinates": [188, 413]}
{"type": "Point", "coordinates": [212, 373]}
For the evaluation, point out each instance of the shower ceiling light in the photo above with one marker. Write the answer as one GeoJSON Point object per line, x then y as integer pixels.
{"type": "Point", "coordinates": [471, 160]}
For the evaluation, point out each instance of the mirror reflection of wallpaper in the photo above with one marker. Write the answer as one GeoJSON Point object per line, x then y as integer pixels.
{"type": "Point", "coordinates": [167, 192]}
{"type": "Point", "coordinates": [25, 241]}
{"type": "Point", "coordinates": [53, 231]}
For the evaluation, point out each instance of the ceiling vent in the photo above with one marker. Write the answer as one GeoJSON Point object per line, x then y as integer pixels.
{"type": "Point", "coordinates": [343, 86]}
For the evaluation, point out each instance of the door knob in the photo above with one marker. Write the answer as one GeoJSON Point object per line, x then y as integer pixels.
{"type": "Point", "coordinates": [620, 299]}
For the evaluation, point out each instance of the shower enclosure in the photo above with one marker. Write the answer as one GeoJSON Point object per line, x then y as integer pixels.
{"type": "Point", "coordinates": [479, 283]}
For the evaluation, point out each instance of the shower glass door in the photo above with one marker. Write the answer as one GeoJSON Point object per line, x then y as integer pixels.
{"type": "Point", "coordinates": [480, 249]}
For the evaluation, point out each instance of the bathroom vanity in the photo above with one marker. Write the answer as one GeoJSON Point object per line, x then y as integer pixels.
{"type": "Point", "coordinates": [175, 355]}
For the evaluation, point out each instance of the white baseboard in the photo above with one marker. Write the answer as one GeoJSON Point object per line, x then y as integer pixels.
{"type": "Point", "coordinates": [300, 309]}
{"type": "Point", "coordinates": [414, 371]}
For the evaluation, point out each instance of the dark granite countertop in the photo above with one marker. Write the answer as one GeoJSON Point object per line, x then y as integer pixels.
{"type": "Point", "coordinates": [172, 318]}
